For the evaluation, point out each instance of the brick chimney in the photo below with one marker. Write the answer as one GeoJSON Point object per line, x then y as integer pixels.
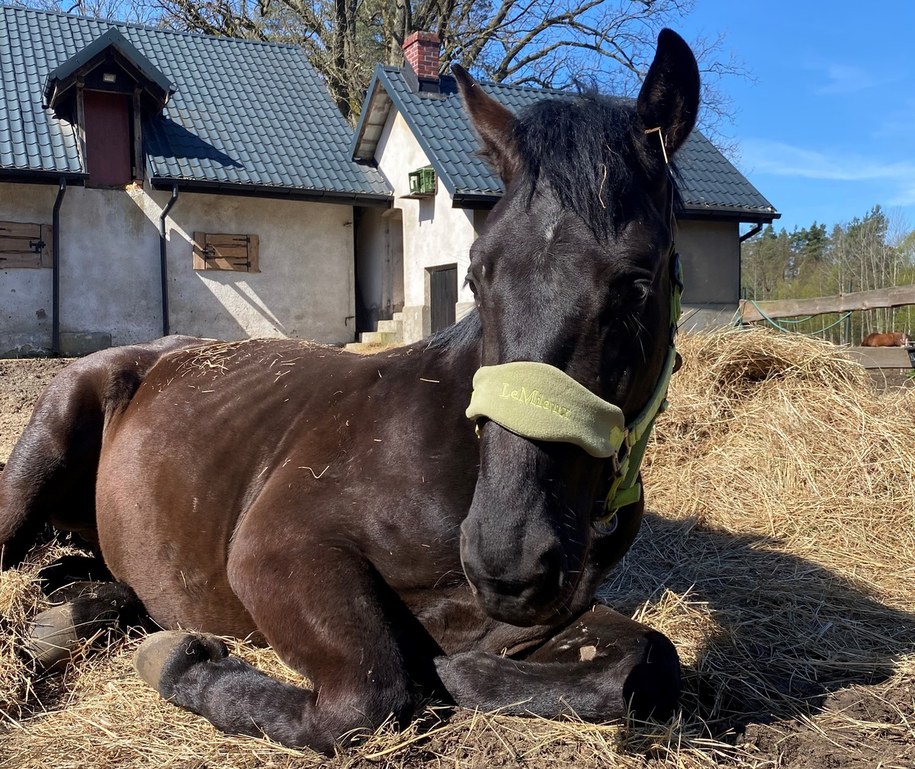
{"type": "Point", "coordinates": [422, 51]}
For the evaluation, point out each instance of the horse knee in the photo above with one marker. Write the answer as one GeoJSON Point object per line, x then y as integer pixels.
{"type": "Point", "coordinates": [352, 718]}
{"type": "Point", "coordinates": [652, 686]}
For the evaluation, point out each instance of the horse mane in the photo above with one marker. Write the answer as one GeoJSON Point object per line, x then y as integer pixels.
{"type": "Point", "coordinates": [467, 332]}
{"type": "Point", "coordinates": [588, 150]}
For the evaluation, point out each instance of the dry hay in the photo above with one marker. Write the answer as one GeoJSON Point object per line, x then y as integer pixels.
{"type": "Point", "coordinates": [779, 559]}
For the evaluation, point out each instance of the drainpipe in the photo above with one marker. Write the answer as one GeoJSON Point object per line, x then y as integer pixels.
{"type": "Point", "coordinates": [163, 259]}
{"type": "Point", "coordinates": [55, 269]}
{"type": "Point", "coordinates": [749, 234]}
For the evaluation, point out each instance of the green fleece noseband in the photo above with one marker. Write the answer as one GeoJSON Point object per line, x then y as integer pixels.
{"type": "Point", "coordinates": [541, 402]}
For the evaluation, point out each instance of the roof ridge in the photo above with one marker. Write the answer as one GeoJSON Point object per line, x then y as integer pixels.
{"type": "Point", "coordinates": [144, 27]}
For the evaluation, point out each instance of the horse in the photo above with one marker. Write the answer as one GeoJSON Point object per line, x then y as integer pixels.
{"type": "Point", "coordinates": [888, 339]}
{"type": "Point", "coordinates": [388, 541]}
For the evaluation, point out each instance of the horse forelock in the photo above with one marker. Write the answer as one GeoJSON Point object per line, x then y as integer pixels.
{"type": "Point", "coordinates": [589, 151]}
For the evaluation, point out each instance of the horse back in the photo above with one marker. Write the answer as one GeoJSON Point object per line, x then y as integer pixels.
{"type": "Point", "coordinates": [888, 339]}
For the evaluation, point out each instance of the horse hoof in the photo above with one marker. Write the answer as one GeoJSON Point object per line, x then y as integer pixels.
{"type": "Point", "coordinates": [163, 657]}
{"type": "Point", "coordinates": [52, 638]}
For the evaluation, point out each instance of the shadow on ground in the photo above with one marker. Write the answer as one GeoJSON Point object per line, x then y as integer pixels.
{"type": "Point", "coordinates": [787, 631]}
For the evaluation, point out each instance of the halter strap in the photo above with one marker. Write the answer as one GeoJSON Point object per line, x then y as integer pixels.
{"type": "Point", "coordinates": [625, 487]}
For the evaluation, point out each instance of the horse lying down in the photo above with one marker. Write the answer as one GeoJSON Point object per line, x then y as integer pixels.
{"type": "Point", "coordinates": [888, 339]}
{"type": "Point", "coordinates": [345, 510]}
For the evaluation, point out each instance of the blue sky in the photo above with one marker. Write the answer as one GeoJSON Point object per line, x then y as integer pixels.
{"type": "Point", "coordinates": [826, 128]}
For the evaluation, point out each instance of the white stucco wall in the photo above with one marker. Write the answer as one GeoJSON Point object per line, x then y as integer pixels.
{"type": "Point", "coordinates": [434, 233]}
{"type": "Point", "coordinates": [110, 277]}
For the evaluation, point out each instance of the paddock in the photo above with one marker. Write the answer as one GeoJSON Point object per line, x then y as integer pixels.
{"type": "Point", "coordinates": [777, 556]}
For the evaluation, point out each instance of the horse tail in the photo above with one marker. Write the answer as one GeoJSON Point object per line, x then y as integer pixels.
{"type": "Point", "coordinates": [50, 474]}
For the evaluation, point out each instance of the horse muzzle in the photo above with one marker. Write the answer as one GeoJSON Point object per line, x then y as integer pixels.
{"type": "Point", "coordinates": [521, 581]}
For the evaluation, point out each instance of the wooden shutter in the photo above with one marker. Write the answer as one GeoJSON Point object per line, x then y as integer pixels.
{"type": "Point", "coordinates": [25, 245]}
{"type": "Point", "coordinates": [238, 253]}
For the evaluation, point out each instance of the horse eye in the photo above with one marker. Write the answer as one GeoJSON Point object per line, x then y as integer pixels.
{"type": "Point", "coordinates": [641, 289]}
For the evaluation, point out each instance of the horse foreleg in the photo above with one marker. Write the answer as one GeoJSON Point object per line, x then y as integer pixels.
{"type": "Point", "coordinates": [321, 609]}
{"type": "Point", "coordinates": [195, 671]}
{"type": "Point", "coordinates": [602, 667]}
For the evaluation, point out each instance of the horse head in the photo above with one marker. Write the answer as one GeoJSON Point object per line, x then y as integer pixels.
{"type": "Point", "coordinates": [572, 282]}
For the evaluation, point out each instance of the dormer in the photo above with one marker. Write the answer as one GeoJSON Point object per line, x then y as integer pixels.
{"type": "Point", "coordinates": [107, 89]}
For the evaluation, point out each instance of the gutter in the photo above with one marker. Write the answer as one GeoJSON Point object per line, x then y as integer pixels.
{"type": "Point", "coordinates": [381, 199]}
{"type": "Point", "coordinates": [746, 236]}
{"type": "Point", "coordinates": [163, 258]}
{"type": "Point", "coordinates": [55, 268]}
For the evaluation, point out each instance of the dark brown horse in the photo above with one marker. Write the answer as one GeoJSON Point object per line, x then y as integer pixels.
{"type": "Point", "coordinates": [346, 511]}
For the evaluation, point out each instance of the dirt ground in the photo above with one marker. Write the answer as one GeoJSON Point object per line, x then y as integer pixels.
{"type": "Point", "coordinates": [21, 382]}
{"type": "Point", "coordinates": [854, 721]}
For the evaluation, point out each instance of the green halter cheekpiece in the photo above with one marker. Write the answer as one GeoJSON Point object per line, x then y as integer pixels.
{"type": "Point", "coordinates": [540, 402]}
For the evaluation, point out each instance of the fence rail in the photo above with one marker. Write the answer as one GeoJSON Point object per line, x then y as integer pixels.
{"type": "Point", "coordinates": [899, 296]}
{"type": "Point", "coordinates": [880, 357]}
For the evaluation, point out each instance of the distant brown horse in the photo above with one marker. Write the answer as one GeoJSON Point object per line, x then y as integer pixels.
{"type": "Point", "coordinates": [344, 509]}
{"type": "Point", "coordinates": [888, 339]}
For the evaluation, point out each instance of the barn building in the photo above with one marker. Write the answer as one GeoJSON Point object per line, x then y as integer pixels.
{"type": "Point", "coordinates": [411, 258]}
{"type": "Point", "coordinates": [157, 182]}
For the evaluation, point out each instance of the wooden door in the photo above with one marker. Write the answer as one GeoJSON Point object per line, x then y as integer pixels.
{"type": "Point", "coordinates": [108, 150]}
{"type": "Point", "coordinates": [443, 291]}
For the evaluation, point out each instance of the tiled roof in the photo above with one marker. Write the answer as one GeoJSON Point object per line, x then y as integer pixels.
{"type": "Point", "coordinates": [244, 115]}
{"type": "Point", "coordinates": [708, 182]}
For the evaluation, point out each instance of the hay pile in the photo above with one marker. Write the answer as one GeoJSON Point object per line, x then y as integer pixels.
{"type": "Point", "coordinates": [779, 559]}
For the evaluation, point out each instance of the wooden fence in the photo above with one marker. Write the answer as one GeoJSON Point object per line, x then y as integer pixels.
{"type": "Point", "coordinates": [856, 300]}
{"type": "Point", "coordinates": [869, 357]}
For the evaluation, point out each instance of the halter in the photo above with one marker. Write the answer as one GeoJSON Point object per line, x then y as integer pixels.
{"type": "Point", "coordinates": [541, 402]}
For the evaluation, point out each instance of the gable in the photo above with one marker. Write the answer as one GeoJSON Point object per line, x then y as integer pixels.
{"type": "Point", "coordinates": [708, 183]}
{"type": "Point", "coordinates": [99, 65]}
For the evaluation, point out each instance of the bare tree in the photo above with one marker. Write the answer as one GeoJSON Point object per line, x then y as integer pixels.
{"type": "Point", "coordinates": [552, 43]}
{"type": "Point", "coordinates": [605, 44]}
{"type": "Point", "coordinates": [134, 11]}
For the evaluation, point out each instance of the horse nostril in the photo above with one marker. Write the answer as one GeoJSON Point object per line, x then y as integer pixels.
{"type": "Point", "coordinates": [551, 563]}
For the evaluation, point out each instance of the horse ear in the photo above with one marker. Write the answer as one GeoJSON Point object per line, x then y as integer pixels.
{"type": "Point", "coordinates": [669, 98]}
{"type": "Point", "coordinates": [493, 123]}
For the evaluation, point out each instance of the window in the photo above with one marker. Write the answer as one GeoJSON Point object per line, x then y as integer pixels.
{"type": "Point", "coordinates": [238, 253]}
{"type": "Point", "coordinates": [25, 245]}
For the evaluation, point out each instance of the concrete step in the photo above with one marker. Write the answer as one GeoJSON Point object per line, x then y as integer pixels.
{"type": "Point", "coordinates": [378, 337]}
{"type": "Point", "coordinates": [391, 327]}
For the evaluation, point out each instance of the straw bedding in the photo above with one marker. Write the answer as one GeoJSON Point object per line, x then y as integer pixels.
{"type": "Point", "coordinates": [779, 555]}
